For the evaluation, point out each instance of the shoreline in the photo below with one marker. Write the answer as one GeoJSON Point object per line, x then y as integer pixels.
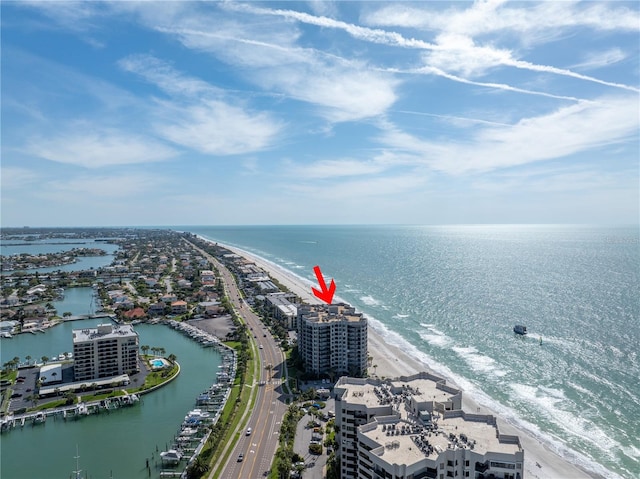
{"type": "Point", "coordinates": [541, 462]}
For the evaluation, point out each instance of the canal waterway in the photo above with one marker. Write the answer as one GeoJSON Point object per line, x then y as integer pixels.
{"type": "Point", "coordinates": [77, 301]}
{"type": "Point", "coordinates": [112, 444]}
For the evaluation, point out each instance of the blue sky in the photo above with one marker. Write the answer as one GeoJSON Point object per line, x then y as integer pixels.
{"type": "Point", "coordinates": [178, 113]}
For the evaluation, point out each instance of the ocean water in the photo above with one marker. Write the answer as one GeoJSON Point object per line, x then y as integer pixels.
{"type": "Point", "coordinates": [451, 294]}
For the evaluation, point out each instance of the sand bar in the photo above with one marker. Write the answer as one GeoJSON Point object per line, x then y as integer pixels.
{"type": "Point", "coordinates": [391, 361]}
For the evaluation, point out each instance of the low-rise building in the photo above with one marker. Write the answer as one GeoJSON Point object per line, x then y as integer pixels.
{"type": "Point", "coordinates": [282, 309]}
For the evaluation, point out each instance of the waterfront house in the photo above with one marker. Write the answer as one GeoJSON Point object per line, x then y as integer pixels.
{"type": "Point", "coordinates": [135, 313]}
{"type": "Point", "coordinates": [156, 309]}
{"type": "Point", "coordinates": [179, 307]}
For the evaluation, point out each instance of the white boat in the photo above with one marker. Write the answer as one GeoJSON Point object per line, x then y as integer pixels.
{"type": "Point", "coordinates": [171, 456]}
{"type": "Point", "coordinates": [39, 418]}
{"type": "Point", "coordinates": [197, 414]}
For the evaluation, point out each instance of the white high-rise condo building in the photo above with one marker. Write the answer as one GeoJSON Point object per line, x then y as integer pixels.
{"type": "Point", "coordinates": [104, 352]}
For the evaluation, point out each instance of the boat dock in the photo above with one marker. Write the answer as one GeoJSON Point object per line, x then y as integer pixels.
{"type": "Point", "coordinates": [192, 435]}
{"type": "Point", "coordinates": [74, 411]}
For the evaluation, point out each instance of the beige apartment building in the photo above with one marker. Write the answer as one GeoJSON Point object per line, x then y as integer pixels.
{"type": "Point", "coordinates": [332, 339]}
{"type": "Point", "coordinates": [103, 352]}
{"type": "Point", "coordinates": [414, 428]}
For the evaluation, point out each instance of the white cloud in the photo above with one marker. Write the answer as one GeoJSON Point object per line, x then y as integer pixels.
{"type": "Point", "coordinates": [198, 118]}
{"type": "Point", "coordinates": [95, 147]}
{"type": "Point", "coordinates": [343, 90]}
{"type": "Point", "coordinates": [325, 169]}
{"type": "Point", "coordinates": [484, 17]}
{"type": "Point", "coordinates": [601, 59]}
{"type": "Point", "coordinates": [215, 127]}
{"type": "Point", "coordinates": [166, 77]}
{"type": "Point", "coordinates": [17, 178]}
{"type": "Point", "coordinates": [454, 49]}
{"type": "Point", "coordinates": [566, 131]}
{"type": "Point", "coordinates": [343, 94]}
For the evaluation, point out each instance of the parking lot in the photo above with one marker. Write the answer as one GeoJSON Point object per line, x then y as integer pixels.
{"type": "Point", "coordinates": [24, 387]}
{"type": "Point", "coordinates": [315, 465]}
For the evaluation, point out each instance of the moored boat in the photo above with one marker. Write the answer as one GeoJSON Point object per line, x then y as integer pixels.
{"type": "Point", "coordinates": [171, 456]}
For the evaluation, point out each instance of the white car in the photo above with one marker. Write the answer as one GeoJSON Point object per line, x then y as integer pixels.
{"type": "Point", "coordinates": [248, 431]}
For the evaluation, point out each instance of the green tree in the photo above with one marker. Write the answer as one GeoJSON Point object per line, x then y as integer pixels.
{"type": "Point", "coordinates": [172, 357]}
{"type": "Point", "coordinates": [45, 359]}
{"type": "Point", "coordinates": [197, 469]}
{"type": "Point", "coordinates": [145, 349]}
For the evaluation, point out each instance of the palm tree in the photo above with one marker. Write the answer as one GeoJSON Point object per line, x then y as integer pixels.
{"type": "Point", "coordinates": [161, 351]}
{"type": "Point", "coordinates": [16, 361]}
{"type": "Point", "coordinates": [54, 374]}
{"type": "Point", "coordinates": [28, 358]}
{"type": "Point", "coordinates": [172, 357]}
{"type": "Point", "coordinates": [375, 366]}
{"type": "Point", "coordinates": [198, 468]}
{"type": "Point", "coordinates": [45, 359]}
{"type": "Point", "coordinates": [94, 386]}
{"type": "Point", "coordinates": [145, 349]}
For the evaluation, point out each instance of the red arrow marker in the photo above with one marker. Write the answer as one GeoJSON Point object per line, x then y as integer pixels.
{"type": "Point", "coordinates": [325, 295]}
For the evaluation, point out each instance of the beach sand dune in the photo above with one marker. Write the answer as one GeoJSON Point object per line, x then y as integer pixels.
{"type": "Point", "coordinates": [391, 361]}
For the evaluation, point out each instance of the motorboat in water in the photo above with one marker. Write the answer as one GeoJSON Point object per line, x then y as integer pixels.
{"type": "Point", "coordinates": [520, 329]}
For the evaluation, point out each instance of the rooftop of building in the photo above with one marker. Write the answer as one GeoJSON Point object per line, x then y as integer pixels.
{"type": "Point", "coordinates": [330, 312]}
{"type": "Point", "coordinates": [375, 393]}
{"type": "Point", "coordinates": [423, 387]}
{"type": "Point", "coordinates": [408, 437]}
{"type": "Point", "coordinates": [103, 331]}
{"type": "Point", "coordinates": [410, 442]}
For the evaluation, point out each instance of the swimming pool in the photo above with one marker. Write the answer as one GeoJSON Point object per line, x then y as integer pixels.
{"type": "Point", "coordinates": [158, 363]}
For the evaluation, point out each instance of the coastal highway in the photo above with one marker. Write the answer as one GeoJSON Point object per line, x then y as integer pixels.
{"type": "Point", "coordinates": [259, 447]}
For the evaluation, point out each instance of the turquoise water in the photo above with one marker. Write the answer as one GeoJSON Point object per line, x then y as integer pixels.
{"type": "Point", "coordinates": [450, 295]}
{"type": "Point", "coordinates": [115, 444]}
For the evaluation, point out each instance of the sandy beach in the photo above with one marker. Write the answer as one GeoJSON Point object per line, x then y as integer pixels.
{"type": "Point", "coordinates": [391, 361]}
